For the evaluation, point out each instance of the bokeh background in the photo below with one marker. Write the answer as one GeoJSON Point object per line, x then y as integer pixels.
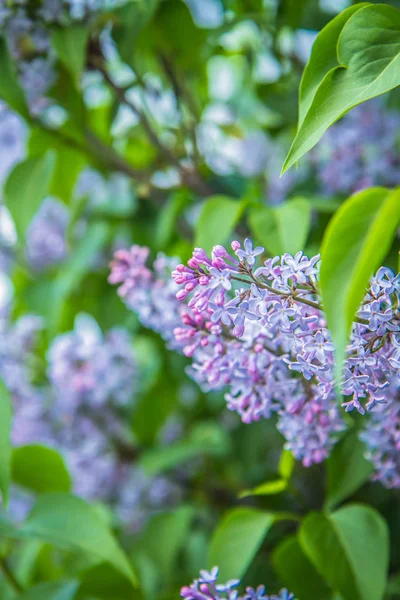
{"type": "Point", "coordinates": [162, 123]}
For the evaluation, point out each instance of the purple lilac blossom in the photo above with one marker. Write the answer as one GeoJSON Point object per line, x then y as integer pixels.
{"type": "Point", "coordinates": [91, 371]}
{"type": "Point", "coordinates": [87, 371]}
{"type": "Point", "coordinates": [12, 150]}
{"type": "Point", "coordinates": [46, 243]}
{"type": "Point", "coordinates": [12, 140]}
{"type": "Point", "coordinates": [16, 355]}
{"type": "Point", "coordinates": [267, 341]}
{"type": "Point", "coordinates": [207, 587]}
{"type": "Point", "coordinates": [381, 437]}
{"type": "Point", "coordinates": [28, 40]}
{"type": "Point", "coordinates": [150, 293]}
{"type": "Point", "coordinates": [86, 367]}
{"type": "Point", "coordinates": [140, 496]}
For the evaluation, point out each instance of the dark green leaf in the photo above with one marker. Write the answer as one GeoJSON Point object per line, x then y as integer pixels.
{"type": "Point", "coordinates": [163, 538]}
{"type": "Point", "coordinates": [355, 243]}
{"type": "Point", "coordinates": [103, 582]}
{"type": "Point", "coordinates": [347, 469]}
{"type": "Point", "coordinates": [350, 549]}
{"type": "Point", "coordinates": [40, 469]}
{"type": "Point", "coordinates": [297, 573]}
{"type": "Point", "coordinates": [206, 438]}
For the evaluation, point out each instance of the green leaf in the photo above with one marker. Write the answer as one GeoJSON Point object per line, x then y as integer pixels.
{"type": "Point", "coordinates": [287, 463]}
{"type": "Point", "coordinates": [163, 539]}
{"type": "Point", "coordinates": [367, 47]}
{"type": "Point", "coordinates": [217, 220]}
{"type": "Point", "coordinates": [284, 228]}
{"type": "Point", "coordinates": [130, 19]}
{"type": "Point", "coordinates": [26, 187]}
{"type": "Point", "coordinates": [69, 522]}
{"type": "Point", "coordinates": [355, 243]}
{"type": "Point", "coordinates": [168, 215]}
{"type": "Point", "coordinates": [238, 538]}
{"type": "Point", "coordinates": [208, 439]}
{"type": "Point", "coordinates": [297, 573]}
{"type": "Point", "coordinates": [10, 90]}
{"type": "Point", "coordinates": [69, 161]}
{"type": "Point", "coordinates": [70, 44]}
{"type": "Point", "coordinates": [269, 488]}
{"type": "Point", "coordinates": [347, 469]}
{"type": "Point", "coordinates": [350, 548]}
{"type": "Point", "coordinates": [52, 591]}
{"type": "Point", "coordinates": [175, 36]}
{"type": "Point", "coordinates": [103, 582]}
{"type": "Point", "coordinates": [5, 442]}
{"type": "Point", "coordinates": [40, 469]}
{"type": "Point", "coordinates": [323, 58]}
{"type": "Point", "coordinates": [74, 270]}
{"type": "Point", "coordinates": [393, 587]}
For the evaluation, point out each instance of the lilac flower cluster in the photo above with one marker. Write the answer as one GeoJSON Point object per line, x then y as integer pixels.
{"type": "Point", "coordinates": [150, 293]}
{"type": "Point", "coordinates": [382, 439]}
{"type": "Point", "coordinates": [252, 330]}
{"type": "Point", "coordinates": [46, 243]}
{"type": "Point", "coordinates": [28, 41]}
{"type": "Point", "coordinates": [206, 587]}
{"type": "Point", "coordinates": [87, 368]}
{"type": "Point", "coordinates": [12, 150]}
{"type": "Point", "coordinates": [86, 371]}
{"type": "Point", "coordinates": [12, 140]}
{"type": "Point", "coordinates": [359, 151]}
{"type": "Point", "coordinates": [16, 356]}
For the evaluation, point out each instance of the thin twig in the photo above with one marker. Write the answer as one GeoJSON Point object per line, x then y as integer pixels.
{"type": "Point", "coordinates": [189, 176]}
{"type": "Point", "coordinates": [293, 296]}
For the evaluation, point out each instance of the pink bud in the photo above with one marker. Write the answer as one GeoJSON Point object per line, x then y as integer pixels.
{"type": "Point", "coordinates": [219, 251]}
{"type": "Point", "coordinates": [200, 254]}
{"type": "Point", "coordinates": [193, 263]}
{"type": "Point", "coordinates": [219, 263]}
{"type": "Point", "coordinates": [235, 245]}
{"type": "Point", "coordinates": [181, 295]}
